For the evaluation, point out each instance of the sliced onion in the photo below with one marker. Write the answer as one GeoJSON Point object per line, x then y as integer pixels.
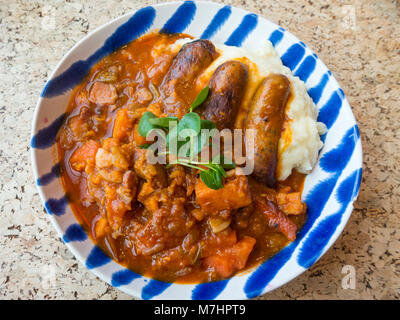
{"type": "Point", "coordinates": [218, 224]}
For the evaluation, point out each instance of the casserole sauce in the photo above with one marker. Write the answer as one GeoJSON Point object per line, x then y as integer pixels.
{"type": "Point", "coordinates": [157, 221]}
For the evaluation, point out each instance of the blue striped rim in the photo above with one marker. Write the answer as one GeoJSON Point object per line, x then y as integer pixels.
{"type": "Point", "coordinates": [293, 56]}
{"type": "Point", "coordinates": [209, 291]}
{"type": "Point", "coordinates": [330, 111]}
{"type": "Point", "coordinates": [316, 92]}
{"type": "Point", "coordinates": [306, 67]}
{"type": "Point", "coordinates": [45, 137]}
{"type": "Point", "coordinates": [240, 34]}
{"type": "Point", "coordinates": [56, 206]}
{"type": "Point", "coordinates": [276, 36]}
{"type": "Point", "coordinates": [96, 258]}
{"type": "Point", "coordinates": [337, 159]}
{"type": "Point", "coordinates": [75, 232]}
{"type": "Point", "coordinates": [123, 277]}
{"type": "Point", "coordinates": [217, 22]}
{"type": "Point", "coordinates": [181, 19]}
{"type": "Point", "coordinates": [154, 288]}
{"type": "Point", "coordinates": [319, 237]}
{"type": "Point", "coordinates": [47, 178]}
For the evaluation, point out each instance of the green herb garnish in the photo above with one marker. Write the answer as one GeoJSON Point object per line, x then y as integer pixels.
{"type": "Point", "coordinates": [190, 121]}
{"type": "Point", "coordinates": [180, 133]}
{"type": "Point", "coordinates": [212, 179]}
{"type": "Point", "coordinates": [162, 122]}
{"type": "Point", "coordinates": [211, 174]}
{"type": "Point", "coordinates": [201, 97]}
{"type": "Point", "coordinates": [145, 126]}
{"type": "Point", "coordinates": [224, 162]}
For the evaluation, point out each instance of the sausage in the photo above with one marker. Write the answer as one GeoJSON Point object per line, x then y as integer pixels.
{"type": "Point", "coordinates": [266, 115]}
{"type": "Point", "coordinates": [193, 58]}
{"type": "Point", "coordinates": [227, 86]}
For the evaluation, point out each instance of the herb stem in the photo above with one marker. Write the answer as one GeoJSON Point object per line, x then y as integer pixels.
{"type": "Point", "coordinates": [186, 164]}
{"type": "Point", "coordinates": [194, 162]}
{"type": "Point", "coordinates": [164, 153]}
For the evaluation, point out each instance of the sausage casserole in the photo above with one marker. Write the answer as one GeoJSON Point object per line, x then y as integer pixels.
{"type": "Point", "coordinates": [186, 221]}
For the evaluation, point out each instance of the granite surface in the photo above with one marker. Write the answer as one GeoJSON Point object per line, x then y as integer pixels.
{"type": "Point", "coordinates": [358, 40]}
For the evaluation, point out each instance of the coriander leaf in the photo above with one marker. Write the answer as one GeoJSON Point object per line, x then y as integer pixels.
{"type": "Point", "coordinates": [188, 147]}
{"type": "Point", "coordinates": [173, 144]}
{"type": "Point", "coordinates": [224, 161]}
{"type": "Point", "coordinates": [201, 97]}
{"type": "Point", "coordinates": [212, 179]}
{"type": "Point", "coordinates": [218, 180]}
{"type": "Point", "coordinates": [207, 124]}
{"type": "Point", "coordinates": [218, 168]}
{"type": "Point", "coordinates": [144, 125]}
{"type": "Point", "coordinates": [163, 122]}
{"type": "Point", "coordinates": [205, 135]}
{"type": "Point", "coordinates": [191, 121]}
{"type": "Point", "coordinates": [188, 129]}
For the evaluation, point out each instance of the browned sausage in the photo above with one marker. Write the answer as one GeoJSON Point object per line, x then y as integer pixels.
{"type": "Point", "coordinates": [266, 115]}
{"type": "Point", "coordinates": [227, 86]}
{"type": "Point", "coordinates": [193, 58]}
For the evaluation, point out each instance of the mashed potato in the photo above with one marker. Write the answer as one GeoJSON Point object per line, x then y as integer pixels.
{"type": "Point", "coordinates": [300, 140]}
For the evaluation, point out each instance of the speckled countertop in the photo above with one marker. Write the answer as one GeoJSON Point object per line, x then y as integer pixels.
{"type": "Point", "coordinates": [358, 40]}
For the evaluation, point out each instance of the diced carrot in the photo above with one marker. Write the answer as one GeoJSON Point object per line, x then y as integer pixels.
{"type": "Point", "coordinates": [235, 194]}
{"type": "Point", "coordinates": [110, 143]}
{"type": "Point", "coordinates": [103, 93]}
{"type": "Point", "coordinates": [83, 154]}
{"type": "Point", "coordinates": [227, 237]}
{"type": "Point", "coordinates": [123, 125]}
{"type": "Point", "coordinates": [218, 242]}
{"type": "Point", "coordinates": [222, 265]}
{"type": "Point", "coordinates": [242, 250]}
{"type": "Point", "coordinates": [277, 218]}
{"type": "Point", "coordinates": [231, 259]}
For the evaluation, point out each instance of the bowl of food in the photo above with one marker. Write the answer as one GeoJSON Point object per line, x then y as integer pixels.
{"type": "Point", "coordinates": [191, 150]}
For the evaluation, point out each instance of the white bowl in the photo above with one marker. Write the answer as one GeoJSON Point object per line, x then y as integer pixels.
{"type": "Point", "coordinates": [329, 190]}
